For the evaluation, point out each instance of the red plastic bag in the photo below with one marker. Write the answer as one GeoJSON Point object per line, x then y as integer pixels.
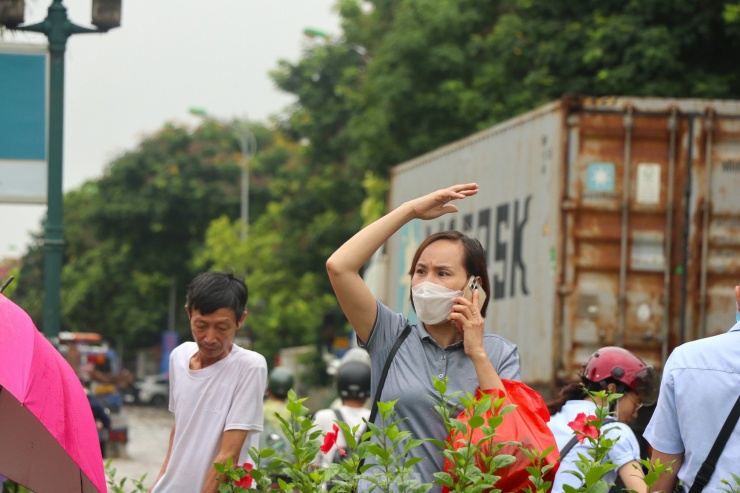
{"type": "Point", "coordinates": [527, 424]}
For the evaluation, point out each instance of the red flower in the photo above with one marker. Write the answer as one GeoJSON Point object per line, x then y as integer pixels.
{"type": "Point", "coordinates": [246, 481]}
{"type": "Point", "coordinates": [583, 426]}
{"type": "Point", "coordinates": [330, 439]}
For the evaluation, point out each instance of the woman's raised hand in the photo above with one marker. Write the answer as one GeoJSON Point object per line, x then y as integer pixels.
{"type": "Point", "coordinates": [437, 203]}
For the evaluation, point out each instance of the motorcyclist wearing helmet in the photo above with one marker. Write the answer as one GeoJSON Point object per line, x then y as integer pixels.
{"type": "Point", "coordinates": [353, 386]}
{"type": "Point", "coordinates": [614, 370]}
{"type": "Point", "coordinates": [279, 382]}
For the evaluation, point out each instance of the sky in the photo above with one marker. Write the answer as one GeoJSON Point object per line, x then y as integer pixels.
{"type": "Point", "coordinates": [167, 56]}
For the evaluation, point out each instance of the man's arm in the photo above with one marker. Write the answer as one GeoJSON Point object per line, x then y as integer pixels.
{"type": "Point", "coordinates": [633, 477]}
{"type": "Point", "coordinates": [666, 481]}
{"type": "Point", "coordinates": [231, 446]}
{"type": "Point", "coordinates": [166, 459]}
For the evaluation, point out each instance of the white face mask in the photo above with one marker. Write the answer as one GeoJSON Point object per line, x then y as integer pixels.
{"type": "Point", "coordinates": [433, 302]}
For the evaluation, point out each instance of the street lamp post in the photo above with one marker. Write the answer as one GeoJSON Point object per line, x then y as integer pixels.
{"type": "Point", "coordinates": [58, 28]}
{"type": "Point", "coordinates": [248, 147]}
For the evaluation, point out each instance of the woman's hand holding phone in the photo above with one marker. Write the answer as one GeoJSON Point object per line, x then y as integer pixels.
{"type": "Point", "coordinates": [465, 314]}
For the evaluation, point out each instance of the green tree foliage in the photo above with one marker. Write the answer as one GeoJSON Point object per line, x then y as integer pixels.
{"type": "Point", "coordinates": [286, 249]}
{"type": "Point", "coordinates": [131, 235]}
{"type": "Point", "coordinates": [442, 69]}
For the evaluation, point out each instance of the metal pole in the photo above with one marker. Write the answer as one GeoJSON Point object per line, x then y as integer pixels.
{"type": "Point", "coordinates": [248, 148]}
{"type": "Point", "coordinates": [245, 184]}
{"type": "Point", "coordinates": [57, 29]}
{"type": "Point", "coordinates": [248, 145]}
{"type": "Point", "coordinates": [54, 234]}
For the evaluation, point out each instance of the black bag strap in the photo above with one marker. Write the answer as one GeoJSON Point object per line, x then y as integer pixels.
{"type": "Point", "coordinates": [707, 468]}
{"type": "Point", "coordinates": [402, 337]}
{"type": "Point", "coordinates": [572, 442]}
{"type": "Point", "coordinates": [374, 411]}
{"type": "Point", "coordinates": [338, 414]}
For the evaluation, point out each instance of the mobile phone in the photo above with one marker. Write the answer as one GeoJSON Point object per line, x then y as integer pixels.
{"type": "Point", "coordinates": [470, 286]}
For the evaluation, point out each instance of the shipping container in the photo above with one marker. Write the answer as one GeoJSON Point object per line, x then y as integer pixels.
{"type": "Point", "coordinates": [606, 221]}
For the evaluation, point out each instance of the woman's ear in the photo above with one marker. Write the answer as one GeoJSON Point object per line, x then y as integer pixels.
{"type": "Point", "coordinates": [611, 388]}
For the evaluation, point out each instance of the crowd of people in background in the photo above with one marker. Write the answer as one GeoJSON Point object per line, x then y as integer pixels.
{"type": "Point", "coordinates": [217, 387]}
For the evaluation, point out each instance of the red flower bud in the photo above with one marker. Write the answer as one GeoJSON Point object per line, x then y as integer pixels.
{"type": "Point", "coordinates": [330, 439]}
{"type": "Point", "coordinates": [246, 481]}
{"type": "Point", "coordinates": [583, 426]}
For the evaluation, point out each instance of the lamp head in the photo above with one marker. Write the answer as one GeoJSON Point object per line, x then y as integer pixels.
{"type": "Point", "coordinates": [12, 12]}
{"type": "Point", "coordinates": [106, 14]}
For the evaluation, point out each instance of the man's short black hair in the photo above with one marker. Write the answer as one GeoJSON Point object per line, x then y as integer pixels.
{"type": "Point", "coordinates": [211, 291]}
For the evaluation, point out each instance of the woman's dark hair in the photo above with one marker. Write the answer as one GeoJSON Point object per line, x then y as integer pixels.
{"type": "Point", "coordinates": [578, 391]}
{"type": "Point", "coordinates": [474, 259]}
{"type": "Point", "coordinates": [211, 291]}
{"type": "Point", "coordinates": [571, 392]}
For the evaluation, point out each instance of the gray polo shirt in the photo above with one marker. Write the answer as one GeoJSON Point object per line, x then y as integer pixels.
{"type": "Point", "coordinates": [409, 379]}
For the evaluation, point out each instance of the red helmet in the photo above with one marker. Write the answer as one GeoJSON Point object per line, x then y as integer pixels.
{"type": "Point", "coordinates": [618, 364]}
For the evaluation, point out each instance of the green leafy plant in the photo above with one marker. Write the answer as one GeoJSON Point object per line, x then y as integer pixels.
{"type": "Point", "coordinates": [9, 486]}
{"type": "Point", "coordinates": [476, 457]}
{"type": "Point", "coordinates": [303, 442]}
{"type": "Point", "coordinates": [467, 475]}
{"type": "Point", "coordinates": [242, 478]}
{"type": "Point", "coordinates": [654, 470]}
{"type": "Point", "coordinates": [731, 488]}
{"type": "Point", "coordinates": [593, 466]}
{"type": "Point", "coordinates": [115, 486]}
{"type": "Point", "coordinates": [538, 471]}
{"type": "Point", "coordinates": [384, 470]}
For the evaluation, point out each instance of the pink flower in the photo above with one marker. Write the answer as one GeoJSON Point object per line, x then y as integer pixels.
{"type": "Point", "coordinates": [330, 439]}
{"type": "Point", "coordinates": [583, 426]}
{"type": "Point", "coordinates": [246, 481]}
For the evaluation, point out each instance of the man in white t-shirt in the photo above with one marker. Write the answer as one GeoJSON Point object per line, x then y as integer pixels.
{"type": "Point", "coordinates": [216, 389]}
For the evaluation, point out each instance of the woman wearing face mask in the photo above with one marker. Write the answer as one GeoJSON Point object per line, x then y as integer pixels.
{"type": "Point", "coordinates": [615, 370]}
{"type": "Point", "coordinates": [448, 341]}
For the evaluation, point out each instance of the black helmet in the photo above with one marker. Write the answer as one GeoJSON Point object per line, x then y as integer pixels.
{"type": "Point", "coordinates": [280, 382]}
{"type": "Point", "coordinates": [353, 380]}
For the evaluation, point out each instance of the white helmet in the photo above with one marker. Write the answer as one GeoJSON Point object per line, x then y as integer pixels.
{"type": "Point", "coordinates": [355, 354]}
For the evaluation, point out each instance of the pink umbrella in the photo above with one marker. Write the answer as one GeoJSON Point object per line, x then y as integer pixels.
{"type": "Point", "coordinates": [48, 438]}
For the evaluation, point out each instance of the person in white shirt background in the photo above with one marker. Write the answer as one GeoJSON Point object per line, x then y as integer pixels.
{"type": "Point", "coordinates": [615, 370]}
{"type": "Point", "coordinates": [353, 386]}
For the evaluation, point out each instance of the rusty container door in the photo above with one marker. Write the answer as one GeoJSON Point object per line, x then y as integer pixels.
{"type": "Point", "coordinates": [650, 226]}
{"type": "Point", "coordinates": [713, 265]}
